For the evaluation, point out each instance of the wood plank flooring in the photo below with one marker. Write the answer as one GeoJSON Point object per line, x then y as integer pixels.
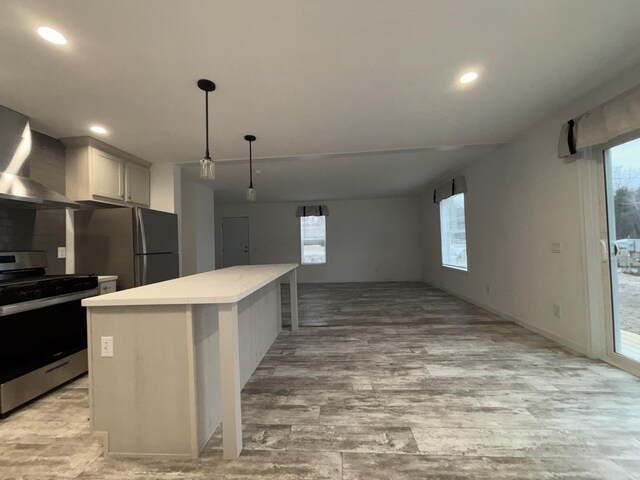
{"type": "Point", "coordinates": [383, 381]}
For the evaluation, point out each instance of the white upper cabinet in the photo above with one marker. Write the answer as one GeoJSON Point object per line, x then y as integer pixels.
{"type": "Point", "coordinates": [100, 174]}
{"type": "Point", "coordinates": [106, 175]}
{"type": "Point", "coordinates": [137, 184]}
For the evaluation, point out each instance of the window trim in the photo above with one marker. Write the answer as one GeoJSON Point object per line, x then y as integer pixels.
{"type": "Point", "coordinates": [326, 250]}
{"type": "Point", "coordinates": [456, 269]}
{"type": "Point", "coordinates": [444, 265]}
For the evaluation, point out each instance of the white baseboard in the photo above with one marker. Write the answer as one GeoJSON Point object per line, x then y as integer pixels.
{"type": "Point", "coordinates": [551, 336]}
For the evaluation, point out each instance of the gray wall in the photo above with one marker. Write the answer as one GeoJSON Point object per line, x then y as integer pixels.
{"type": "Point", "coordinates": [521, 199]}
{"type": "Point", "coordinates": [25, 229]}
{"type": "Point", "coordinates": [374, 240]}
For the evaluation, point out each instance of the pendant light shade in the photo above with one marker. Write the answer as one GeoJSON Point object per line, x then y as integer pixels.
{"type": "Point", "coordinates": [251, 192]}
{"type": "Point", "coordinates": [207, 168]}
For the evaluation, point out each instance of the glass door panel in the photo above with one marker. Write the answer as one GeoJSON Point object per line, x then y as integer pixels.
{"type": "Point", "coordinates": [622, 174]}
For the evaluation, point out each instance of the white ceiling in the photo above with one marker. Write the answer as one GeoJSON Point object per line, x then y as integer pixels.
{"type": "Point", "coordinates": [338, 176]}
{"type": "Point", "coordinates": [309, 78]}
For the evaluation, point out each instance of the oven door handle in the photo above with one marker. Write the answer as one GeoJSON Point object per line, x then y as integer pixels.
{"type": "Point", "coordinates": [45, 302]}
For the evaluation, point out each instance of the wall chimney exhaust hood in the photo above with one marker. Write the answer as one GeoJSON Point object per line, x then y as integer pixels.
{"type": "Point", "coordinates": [16, 189]}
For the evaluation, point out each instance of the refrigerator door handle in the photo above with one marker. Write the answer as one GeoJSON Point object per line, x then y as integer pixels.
{"type": "Point", "coordinates": [143, 235]}
{"type": "Point", "coordinates": [144, 268]}
{"type": "Point", "coordinates": [141, 269]}
{"type": "Point", "coordinates": [156, 268]}
{"type": "Point", "coordinates": [138, 270]}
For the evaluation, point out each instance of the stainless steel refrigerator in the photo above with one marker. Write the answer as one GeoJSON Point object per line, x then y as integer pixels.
{"type": "Point", "coordinates": [137, 244]}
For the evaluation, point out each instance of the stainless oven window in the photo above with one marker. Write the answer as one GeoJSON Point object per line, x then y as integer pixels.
{"type": "Point", "coordinates": [34, 338]}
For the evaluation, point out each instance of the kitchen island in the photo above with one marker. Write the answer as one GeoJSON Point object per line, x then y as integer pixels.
{"type": "Point", "coordinates": [167, 361]}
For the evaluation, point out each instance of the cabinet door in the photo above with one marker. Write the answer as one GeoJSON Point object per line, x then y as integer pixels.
{"type": "Point", "coordinates": [107, 175]}
{"type": "Point", "coordinates": [137, 180]}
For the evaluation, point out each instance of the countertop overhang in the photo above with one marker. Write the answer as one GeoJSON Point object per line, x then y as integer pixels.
{"type": "Point", "coordinates": [227, 285]}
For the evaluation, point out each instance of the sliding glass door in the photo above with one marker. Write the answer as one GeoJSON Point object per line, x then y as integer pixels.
{"type": "Point", "coordinates": [622, 182]}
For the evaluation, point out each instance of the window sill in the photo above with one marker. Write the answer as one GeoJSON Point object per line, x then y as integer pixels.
{"type": "Point", "coordinates": [456, 269]}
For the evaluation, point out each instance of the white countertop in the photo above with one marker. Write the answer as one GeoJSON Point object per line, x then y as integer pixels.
{"type": "Point", "coordinates": [107, 278]}
{"type": "Point", "coordinates": [228, 285]}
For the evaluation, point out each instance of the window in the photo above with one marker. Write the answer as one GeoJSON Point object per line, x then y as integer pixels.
{"type": "Point", "coordinates": [313, 240]}
{"type": "Point", "coordinates": [622, 182]}
{"type": "Point", "coordinates": [453, 232]}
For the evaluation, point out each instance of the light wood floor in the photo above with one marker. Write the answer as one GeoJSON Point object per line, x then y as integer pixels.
{"type": "Point", "coordinates": [384, 381]}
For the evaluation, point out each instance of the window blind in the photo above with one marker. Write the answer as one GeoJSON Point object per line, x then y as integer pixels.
{"type": "Point", "coordinates": [602, 124]}
{"type": "Point", "coordinates": [448, 189]}
{"type": "Point", "coordinates": [312, 211]}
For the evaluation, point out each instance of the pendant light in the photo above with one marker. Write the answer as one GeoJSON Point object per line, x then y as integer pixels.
{"type": "Point", "coordinates": [207, 169]}
{"type": "Point", "coordinates": [251, 193]}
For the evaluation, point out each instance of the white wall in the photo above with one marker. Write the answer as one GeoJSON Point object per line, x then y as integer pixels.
{"type": "Point", "coordinates": [367, 240]}
{"type": "Point", "coordinates": [165, 187]}
{"type": "Point", "coordinates": [521, 198]}
{"type": "Point", "coordinates": [198, 239]}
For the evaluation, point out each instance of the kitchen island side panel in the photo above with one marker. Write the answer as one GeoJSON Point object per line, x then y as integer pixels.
{"type": "Point", "coordinates": [160, 393]}
{"type": "Point", "coordinates": [142, 397]}
{"type": "Point", "coordinates": [269, 322]}
{"type": "Point", "coordinates": [258, 327]}
{"type": "Point", "coordinates": [206, 334]}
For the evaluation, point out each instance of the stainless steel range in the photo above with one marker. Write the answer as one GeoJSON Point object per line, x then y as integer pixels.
{"type": "Point", "coordinates": [43, 329]}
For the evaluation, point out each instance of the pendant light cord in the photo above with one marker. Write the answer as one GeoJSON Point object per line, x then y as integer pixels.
{"type": "Point", "coordinates": [250, 166]}
{"type": "Point", "coordinates": [206, 122]}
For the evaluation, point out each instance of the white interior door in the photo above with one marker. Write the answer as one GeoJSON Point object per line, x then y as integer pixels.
{"type": "Point", "coordinates": [235, 241]}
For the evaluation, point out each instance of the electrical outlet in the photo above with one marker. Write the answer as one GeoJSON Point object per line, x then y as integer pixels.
{"type": "Point", "coordinates": [107, 347]}
{"type": "Point", "coordinates": [62, 252]}
{"type": "Point", "coordinates": [556, 247]}
{"type": "Point", "coordinates": [556, 311]}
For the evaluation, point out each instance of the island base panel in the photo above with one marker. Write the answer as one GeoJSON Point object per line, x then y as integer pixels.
{"type": "Point", "coordinates": [163, 391]}
{"type": "Point", "coordinates": [230, 376]}
{"type": "Point", "coordinates": [141, 396]}
{"type": "Point", "coordinates": [293, 289]}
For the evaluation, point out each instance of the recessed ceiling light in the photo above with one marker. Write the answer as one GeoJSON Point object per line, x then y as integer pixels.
{"type": "Point", "coordinates": [98, 129]}
{"type": "Point", "coordinates": [51, 35]}
{"type": "Point", "coordinates": [469, 77]}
